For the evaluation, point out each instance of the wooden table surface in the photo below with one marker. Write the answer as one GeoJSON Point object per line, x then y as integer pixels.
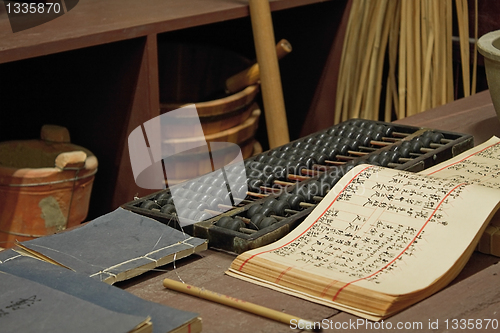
{"type": "Point", "coordinates": [474, 294]}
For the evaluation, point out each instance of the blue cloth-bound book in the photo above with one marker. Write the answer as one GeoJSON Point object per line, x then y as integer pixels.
{"type": "Point", "coordinates": [36, 296]}
{"type": "Point", "coordinates": [115, 246]}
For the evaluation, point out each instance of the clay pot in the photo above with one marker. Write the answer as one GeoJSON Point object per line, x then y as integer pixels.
{"type": "Point", "coordinates": [489, 46]}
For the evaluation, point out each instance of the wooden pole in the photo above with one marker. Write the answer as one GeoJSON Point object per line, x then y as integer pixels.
{"type": "Point", "coordinates": [238, 304]}
{"type": "Point", "coordinates": [272, 92]}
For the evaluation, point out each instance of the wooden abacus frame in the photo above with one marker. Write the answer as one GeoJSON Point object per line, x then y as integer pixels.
{"type": "Point", "coordinates": [238, 242]}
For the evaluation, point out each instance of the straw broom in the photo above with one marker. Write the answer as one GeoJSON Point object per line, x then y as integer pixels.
{"type": "Point", "coordinates": [415, 38]}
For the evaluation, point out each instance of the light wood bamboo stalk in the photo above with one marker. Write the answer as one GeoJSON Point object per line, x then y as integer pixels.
{"type": "Point", "coordinates": [414, 37]}
{"type": "Point", "coordinates": [449, 50]}
{"type": "Point", "coordinates": [402, 62]}
{"type": "Point", "coordinates": [474, 68]}
{"type": "Point", "coordinates": [463, 31]}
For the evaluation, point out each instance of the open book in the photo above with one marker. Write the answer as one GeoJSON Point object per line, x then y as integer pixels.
{"type": "Point", "coordinates": [380, 241]}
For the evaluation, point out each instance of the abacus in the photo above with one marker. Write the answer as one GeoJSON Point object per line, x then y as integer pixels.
{"type": "Point", "coordinates": [277, 189]}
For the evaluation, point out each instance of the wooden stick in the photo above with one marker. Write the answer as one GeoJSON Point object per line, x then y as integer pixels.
{"type": "Point", "coordinates": [272, 92]}
{"type": "Point", "coordinates": [367, 49]}
{"type": "Point", "coordinates": [238, 304]}
{"type": "Point", "coordinates": [393, 53]}
{"type": "Point", "coordinates": [410, 59]}
{"type": "Point", "coordinates": [402, 63]}
{"type": "Point", "coordinates": [474, 68]}
{"type": "Point", "coordinates": [436, 70]}
{"type": "Point", "coordinates": [427, 69]}
{"type": "Point", "coordinates": [251, 75]}
{"type": "Point", "coordinates": [463, 31]}
{"type": "Point", "coordinates": [417, 68]}
{"type": "Point", "coordinates": [449, 50]}
{"type": "Point", "coordinates": [391, 11]}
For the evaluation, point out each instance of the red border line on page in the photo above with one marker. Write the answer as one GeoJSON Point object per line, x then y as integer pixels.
{"type": "Point", "coordinates": [244, 263]}
{"type": "Point", "coordinates": [406, 248]}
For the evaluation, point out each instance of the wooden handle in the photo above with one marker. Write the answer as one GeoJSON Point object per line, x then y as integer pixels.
{"type": "Point", "coordinates": [54, 133]}
{"type": "Point", "coordinates": [251, 75]}
{"type": "Point", "coordinates": [237, 303]}
{"type": "Point", "coordinates": [270, 80]}
{"type": "Point", "coordinates": [72, 159]}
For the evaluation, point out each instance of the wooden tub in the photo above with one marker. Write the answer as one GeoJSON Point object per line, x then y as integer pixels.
{"type": "Point", "coordinates": [45, 185]}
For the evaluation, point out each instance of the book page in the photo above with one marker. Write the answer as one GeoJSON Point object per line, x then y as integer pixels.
{"type": "Point", "coordinates": [479, 165]}
{"type": "Point", "coordinates": [387, 230]}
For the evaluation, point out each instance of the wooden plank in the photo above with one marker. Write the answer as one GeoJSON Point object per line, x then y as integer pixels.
{"type": "Point", "coordinates": [145, 106]}
{"type": "Point", "coordinates": [95, 22]}
{"type": "Point", "coordinates": [474, 115]}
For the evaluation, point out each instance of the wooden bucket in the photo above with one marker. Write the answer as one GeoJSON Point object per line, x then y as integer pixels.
{"type": "Point", "coordinates": [194, 74]}
{"type": "Point", "coordinates": [45, 186]}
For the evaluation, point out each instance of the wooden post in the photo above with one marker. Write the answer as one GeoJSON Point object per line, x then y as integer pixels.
{"type": "Point", "coordinates": [272, 92]}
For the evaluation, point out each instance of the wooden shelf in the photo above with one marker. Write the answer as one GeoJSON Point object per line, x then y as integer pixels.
{"type": "Point", "coordinates": [96, 22]}
{"type": "Point", "coordinates": [95, 70]}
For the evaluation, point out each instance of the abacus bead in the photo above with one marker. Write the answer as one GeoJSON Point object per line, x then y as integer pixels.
{"type": "Point", "coordinates": [309, 161]}
{"type": "Point", "coordinates": [295, 200]}
{"type": "Point", "coordinates": [320, 158]}
{"type": "Point", "coordinates": [180, 202]}
{"type": "Point", "coordinates": [416, 146]}
{"type": "Point", "coordinates": [239, 191]}
{"type": "Point", "coordinates": [208, 180]}
{"type": "Point", "coordinates": [168, 209]}
{"type": "Point", "coordinates": [255, 174]}
{"type": "Point", "coordinates": [192, 204]}
{"type": "Point", "coordinates": [394, 155]}
{"type": "Point", "coordinates": [373, 158]}
{"type": "Point", "coordinates": [192, 214]}
{"type": "Point", "coordinates": [162, 198]}
{"type": "Point", "coordinates": [267, 180]}
{"type": "Point", "coordinates": [377, 136]}
{"type": "Point", "coordinates": [201, 206]}
{"type": "Point", "coordinates": [280, 206]}
{"type": "Point", "coordinates": [436, 137]}
{"type": "Point", "coordinates": [254, 185]}
{"type": "Point", "coordinates": [342, 148]}
{"type": "Point", "coordinates": [426, 141]}
{"type": "Point", "coordinates": [254, 209]}
{"type": "Point", "coordinates": [315, 188]}
{"type": "Point", "coordinates": [219, 182]}
{"type": "Point", "coordinates": [298, 144]}
{"type": "Point", "coordinates": [384, 160]}
{"type": "Point", "coordinates": [388, 131]}
{"type": "Point", "coordinates": [266, 211]}
{"type": "Point", "coordinates": [202, 216]}
{"type": "Point", "coordinates": [223, 221]}
{"type": "Point", "coordinates": [190, 185]}
{"type": "Point", "coordinates": [218, 192]}
{"type": "Point", "coordinates": [260, 158]}
{"type": "Point", "coordinates": [266, 222]}
{"type": "Point", "coordinates": [269, 202]}
{"type": "Point", "coordinates": [204, 188]}
{"type": "Point", "coordinates": [214, 203]}
{"type": "Point", "coordinates": [236, 224]}
{"type": "Point", "coordinates": [255, 220]}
